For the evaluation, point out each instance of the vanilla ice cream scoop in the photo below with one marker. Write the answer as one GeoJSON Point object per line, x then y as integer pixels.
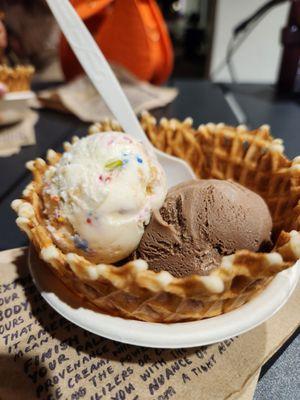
{"type": "Point", "coordinates": [101, 195]}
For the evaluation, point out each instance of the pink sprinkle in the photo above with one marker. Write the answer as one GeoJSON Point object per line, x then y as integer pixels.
{"type": "Point", "coordinates": [110, 142]}
{"type": "Point", "coordinates": [127, 138]}
{"type": "Point", "coordinates": [88, 220]}
{"type": "Point", "coordinates": [104, 179]}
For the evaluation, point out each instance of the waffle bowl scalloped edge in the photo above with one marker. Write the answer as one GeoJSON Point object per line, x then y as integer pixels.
{"type": "Point", "coordinates": [17, 79]}
{"type": "Point", "coordinates": [252, 158]}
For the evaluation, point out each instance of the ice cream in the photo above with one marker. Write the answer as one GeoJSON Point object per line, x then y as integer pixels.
{"type": "Point", "coordinates": [101, 194]}
{"type": "Point", "coordinates": [200, 222]}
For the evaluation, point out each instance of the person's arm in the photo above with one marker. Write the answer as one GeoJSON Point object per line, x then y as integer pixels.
{"type": "Point", "coordinates": [3, 45]}
{"type": "Point", "coordinates": [3, 39]}
{"type": "Point", "coordinates": [3, 89]}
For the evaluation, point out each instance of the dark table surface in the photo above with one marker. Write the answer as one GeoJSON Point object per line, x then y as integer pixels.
{"type": "Point", "coordinates": [204, 102]}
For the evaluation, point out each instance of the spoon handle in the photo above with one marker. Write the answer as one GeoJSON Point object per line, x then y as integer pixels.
{"type": "Point", "coordinates": [96, 67]}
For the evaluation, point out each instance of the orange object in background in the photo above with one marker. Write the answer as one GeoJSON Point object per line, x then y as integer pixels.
{"type": "Point", "coordinates": [131, 33]}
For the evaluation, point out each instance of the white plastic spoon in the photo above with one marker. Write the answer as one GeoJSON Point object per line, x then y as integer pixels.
{"type": "Point", "coordinates": [105, 82]}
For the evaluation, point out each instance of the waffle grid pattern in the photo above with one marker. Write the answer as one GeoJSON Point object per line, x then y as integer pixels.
{"type": "Point", "coordinates": [17, 79]}
{"type": "Point", "coordinates": [253, 158]}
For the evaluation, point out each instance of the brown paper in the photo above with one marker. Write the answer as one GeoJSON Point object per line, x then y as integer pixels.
{"type": "Point", "coordinates": [80, 98]}
{"type": "Point", "coordinates": [42, 355]}
{"type": "Point", "coordinates": [12, 138]}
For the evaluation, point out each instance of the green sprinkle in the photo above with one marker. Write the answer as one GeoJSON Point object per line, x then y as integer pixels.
{"type": "Point", "coordinates": [113, 164]}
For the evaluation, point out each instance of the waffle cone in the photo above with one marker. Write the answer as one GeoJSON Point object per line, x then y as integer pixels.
{"type": "Point", "coordinates": [17, 79]}
{"type": "Point", "coordinates": [252, 158]}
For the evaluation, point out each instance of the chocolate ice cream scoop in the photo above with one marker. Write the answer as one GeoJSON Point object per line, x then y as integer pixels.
{"type": "Point", "coordinates": [199, 222]}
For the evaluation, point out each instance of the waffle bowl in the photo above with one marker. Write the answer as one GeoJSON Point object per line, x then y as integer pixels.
{"type": "Point", "coordinates": [252, 158]}
{"type": "Point", "coordinates": [16, 79]}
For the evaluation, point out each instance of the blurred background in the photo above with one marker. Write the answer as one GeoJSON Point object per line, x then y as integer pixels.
{"type": "Point", "coordinates": [200, 32]}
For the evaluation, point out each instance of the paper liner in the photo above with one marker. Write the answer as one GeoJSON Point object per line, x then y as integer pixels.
{"type": "Point", "coordinates": [252, 158]}
{"type": "Point", "coordinates": [17, 79]}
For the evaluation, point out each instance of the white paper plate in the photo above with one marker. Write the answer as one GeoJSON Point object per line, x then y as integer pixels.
{"type": "Point", "coordinates": [187, 334]}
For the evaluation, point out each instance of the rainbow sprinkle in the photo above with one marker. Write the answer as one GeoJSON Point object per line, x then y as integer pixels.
{"type": "Point", "coordinates": [127, 139]}
{"type": "Point", "coordinates": [111, 165]}
{"type": "Point", "coordinates": [80, 243]}
{"type": "Point", "coordinates": [55, 198]}
{"type": "Point", "coordinates": [105, 179]}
